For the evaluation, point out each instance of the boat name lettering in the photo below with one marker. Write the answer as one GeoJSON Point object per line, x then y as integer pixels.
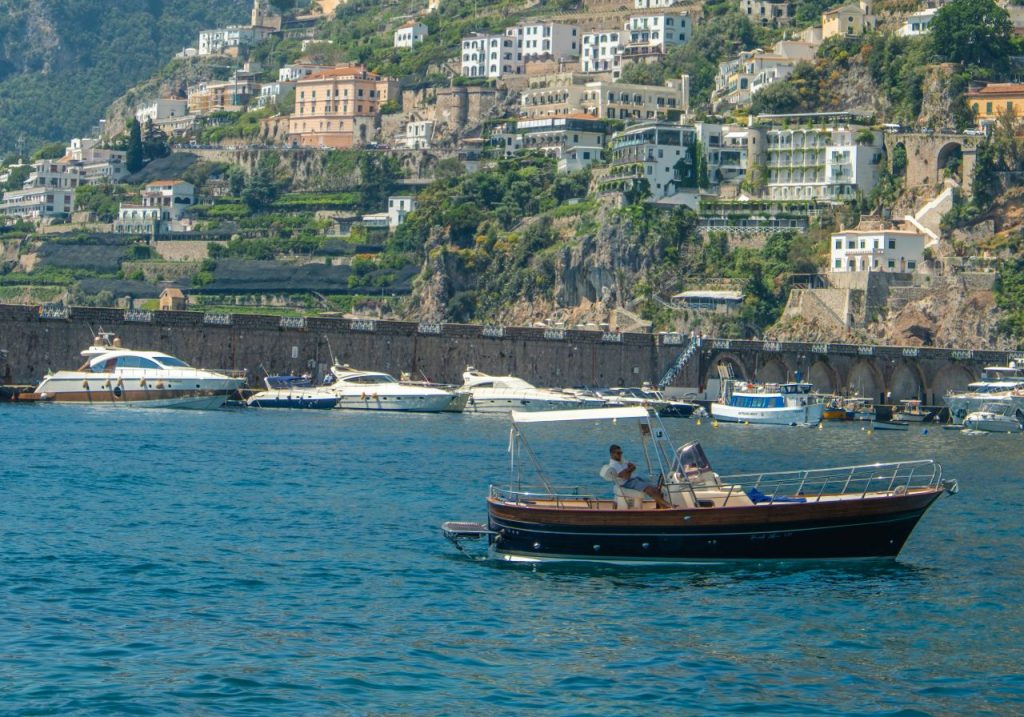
{"type": "Point", "coordinates": [493, 332]}
{"type": "Point", "coordinates": [611, 337]}
{"type": "Point", "coordinates": [363, 325]}
{"type": "Point", "coordinates": [554, 334]}
{"type": "Point", "coordinates": [426, 327]}
{"type": "Point", "coordinates": [138, 316]}
{"type": "Point", "coordinates": [292, 322]}
{"type": "Point", "coordinates": [911, 351]}
{"type": "Point", "coordinates": [217, 319]}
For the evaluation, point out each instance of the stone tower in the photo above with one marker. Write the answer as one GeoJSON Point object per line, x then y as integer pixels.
{"type": "Point", "coordinates": [264, 16]}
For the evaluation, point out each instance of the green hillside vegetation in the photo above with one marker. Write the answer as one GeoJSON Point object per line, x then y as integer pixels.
{"type": "Point", "coordinates": [56, 86]}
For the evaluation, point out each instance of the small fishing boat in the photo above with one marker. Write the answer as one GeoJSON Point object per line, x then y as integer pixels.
{"type": "Point", "coordinates": [893, 425]}
{"type": "Point", "coordinates": [994, 418]}
{"type": "Point", "coordinates": [865, 511]}
{"type": "Point", "coordinates": [376, 391]}
{"type": "Point", "coordinates": [780, 404]}
{"type": "Point", "coordinates": [914, 412]}
{"type": "Point", "coordinates": [858, 408]}
{"type": "Point", "coordinates": [834, 409]}
{"type": "Point", "coordinates": [114, 374]}
{"type": "Point", "coordinates": [292, 392]}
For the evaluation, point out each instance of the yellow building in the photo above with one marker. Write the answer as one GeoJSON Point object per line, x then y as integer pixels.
{"type": "Point", "coordinates": [339, 107]}
{"type": "Point", "coordinates": [848, 21]}
{"type": "Point", "coordinates": [996, 98]}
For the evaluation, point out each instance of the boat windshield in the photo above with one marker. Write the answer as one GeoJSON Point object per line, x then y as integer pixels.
{"type": "Point", "coordinates": [370, 378]}
{"type": "Point", "coordinates": [171, 361]}
{"type": "Point", "coordinates": [692, 463]}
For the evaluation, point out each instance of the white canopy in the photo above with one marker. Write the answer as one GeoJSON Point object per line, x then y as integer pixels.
{"type": "Point", "coordinates": [583, 414]}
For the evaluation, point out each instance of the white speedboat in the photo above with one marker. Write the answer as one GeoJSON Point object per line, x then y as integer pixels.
{"type": "Point", "coordinates": [782, 404]}
{"type": "Point", "coordinates": [648, 397]}
{"type": "Point", "coordinates": [376, 391]}
{"type": "Point", "coordinates": [113, 374]}
{"type": "Point", "coordinates": [912, 411]}
{"type": "Point", "coordinates": [292, 392]}
{"type": "Point", "coordinates": [997, 383]}
{"type": "Point", "coordinates": [994, 418]}
{"type": "Point", "coordinates": [500, 394]}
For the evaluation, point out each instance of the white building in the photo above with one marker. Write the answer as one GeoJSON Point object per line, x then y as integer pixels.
{"type": "Point", "coordinates": [490, 56]}
{"type": "Point", "coordinates": [919, 23]}
{"type": "Point", "coordinates": [575, 141]}
{"type": "Point", "coordinates": [601, 51]}
{"type": "Point", "coordinates": [878, 250]}
{"type": "Point", "coordinates": [94, 163]}
{"type": "Point", "coordinates": [652, 4]}
{"type": "Point", "coordinates": [568, 93]}
{"type": "Point", "coordinates": [417, 135]}
{"type": "Point", "coordinates": [728, 150]}
{"type": "Point", "coordinates": [163, 204]}
{"type": "Point", "coordinates": [658, 153]}
{"type": "Point", "coordinates": [410, 34]}
{"type": "Point", "coordinates": [399, 207]}
{"type": "Point", "coordinates": [824, 164]}
{"type": "Point", "coordinates": [299, 71]}
{"type": "Point", "coordinates": [648, 37]}
{"type": "Point", "coordinates": [161, 109]}
{"type": "Point", "coordinates": [741, 77]}
{"type": "Point", "coordinates": [228, 40]}
{"type": "Point", "coordinates": [272, 93]}
{"type": "Point", "coordinates": [546, 40]}
{"type": "Point", "coordinates": [49, 191]}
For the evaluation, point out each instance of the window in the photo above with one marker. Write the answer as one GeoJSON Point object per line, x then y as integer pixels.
{"type": "Point", "coordinates": [839, 243]}
{"type": "Point", "coordinates": [892, 243]}
{"type": "Point", "coordinates": [911, 265]}
{"type": "Point", "coordinates": [839, 263]}
{"type": "Point", "coordinates": [892, 263]}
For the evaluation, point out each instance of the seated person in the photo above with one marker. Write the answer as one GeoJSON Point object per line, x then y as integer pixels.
{"type": "Point", "coordinates": [624, 473]}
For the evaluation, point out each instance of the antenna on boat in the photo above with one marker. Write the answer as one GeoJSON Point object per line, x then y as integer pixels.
{"type": "Point", "coordinates": [330, 350]}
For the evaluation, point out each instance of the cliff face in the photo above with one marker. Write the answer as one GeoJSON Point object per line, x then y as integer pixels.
{"type": "Point", "coordinates": [62, 62]}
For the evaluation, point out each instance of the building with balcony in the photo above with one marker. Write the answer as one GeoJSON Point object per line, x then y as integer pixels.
{"type": "Point", "coordinates": [729, 151]}
{"type": "Point", "coordinates": [339, 108]}
{"type": "Point", "coordinates": [832, 164]}
{"type": "Point", "coordinates": [399, 207]}
{"type": "Point", "coordinates": [995, 98]}
{"type": "Point", "coordinates": [490, 56]}
{"type": "Point", "coordinates": [230, 40]}
{"type": "Point", "coordinates": [163, 203]}
{"type": "Point", "coordinates": [889, 250]}
{"type": "Point", "coordinates": [655, 156]}
{"type": "Point", "coordinates": [162, 109]}
{"type": "Point", "coordinates": [232, 95]}
{"type": "Point", "coordinates": [601, 51]}
{"type": "Point", "coordinates": [571, 93]}
{"type": "Point", "coordinates": [299, 70]}
{"type": "Point", "coordinates": [410, 34]}
{"type": "Point", "coordinates": [576, 141]}
{"type": "Point", "coordinates": [918, 23]}
{"type": "Point", "coordinates": [545, 41]}
{"type": "Point", "coordinates": [769, 13]}
{"type": "Point", "coordinates": [648, 37]}
{"type": "Point", "coordinates": [743, 76]}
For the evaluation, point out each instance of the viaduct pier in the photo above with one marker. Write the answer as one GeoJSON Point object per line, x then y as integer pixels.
{"type": "Point", "coordinates": [40, 339]}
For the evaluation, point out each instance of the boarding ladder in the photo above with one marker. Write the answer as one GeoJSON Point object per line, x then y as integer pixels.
{"type": "Point", "coordinates": [677, 366]}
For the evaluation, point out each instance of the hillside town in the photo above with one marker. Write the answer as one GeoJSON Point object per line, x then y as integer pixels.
{"type": "Point", "coordinates": [586, 89]}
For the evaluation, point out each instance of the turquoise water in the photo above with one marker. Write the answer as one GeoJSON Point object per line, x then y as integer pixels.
{"type": "Point", "coordinates": [274, 562]}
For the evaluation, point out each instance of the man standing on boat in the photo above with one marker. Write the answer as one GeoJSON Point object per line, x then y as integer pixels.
{"type": "Point", "coordinates": [624, 471]}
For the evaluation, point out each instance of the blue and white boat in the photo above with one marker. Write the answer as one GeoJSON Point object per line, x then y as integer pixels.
{"type": "Point", "coordinates": [292, 392]}
{"type": "Point", "coordinates": [780, 404]}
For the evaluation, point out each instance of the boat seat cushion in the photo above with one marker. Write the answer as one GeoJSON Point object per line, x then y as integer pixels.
{"type": "Point", "coordinates": [757, 496]}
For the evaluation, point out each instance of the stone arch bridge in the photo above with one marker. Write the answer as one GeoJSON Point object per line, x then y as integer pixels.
{"type": "Point", "coordinates": [928, 155]}
{"type": "Point", "coordinates": [884, 374]}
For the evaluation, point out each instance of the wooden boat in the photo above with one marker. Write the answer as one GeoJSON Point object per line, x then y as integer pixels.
{"type": "Point", "coordinates": [892, 425]}
{"type": "Point", "coordinates": [864, 511]}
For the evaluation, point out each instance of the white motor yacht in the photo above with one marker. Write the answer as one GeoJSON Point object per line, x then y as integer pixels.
{"type": "Point", "coordinates": [113, 374]}
{"type": "Point", "coordinates": [500, 394]}
{"type": "Point", "coordinates": [786, 404]}
{"type": "Point", "coordinates": [997, 383]}
{"type": "Point", "coordinates": [376, 391]}
{"type": "Point", "coordinates": [994, 418]}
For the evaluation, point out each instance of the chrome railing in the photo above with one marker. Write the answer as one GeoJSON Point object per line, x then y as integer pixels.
{"type": "Point", "coordinates": [815, 484]}
{"type": "Point", "coordinates": [525, 497]}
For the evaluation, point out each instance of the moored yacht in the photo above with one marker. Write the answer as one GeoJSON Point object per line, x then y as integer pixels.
{"type": "Point", "coordinates": [292, 392]}
{"type": "Point", "coordinates": [996, 384]}
{"type": "Point", "coordinates": [500, 394]}
{"type": "Point", "coordinates": [648, 396]}
{"type": "Point", "coordinates": [376, 391]}
{"type": "Point", "coordinates": [996, 417]}
{"type": "Point", "coordinates": [781, 404]}
{"type": "Point", "coordinates": [113, 374]}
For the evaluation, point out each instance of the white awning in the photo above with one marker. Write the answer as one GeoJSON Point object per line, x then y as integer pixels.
{"type": "Point", "coordinates": [583, 414]}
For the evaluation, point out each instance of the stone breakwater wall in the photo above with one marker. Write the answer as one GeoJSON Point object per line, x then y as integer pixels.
{"type": "Point", "coordinates": [39, 339]}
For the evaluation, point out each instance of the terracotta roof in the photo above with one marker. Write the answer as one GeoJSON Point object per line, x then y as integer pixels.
{"type": "Point", "coordinates": [341, 71]}
{"type": "Point", "coordinates": [998, 88]}
{"type": "Point", "coordinates": [172, 292]}
{"type": "Point", "coordinates": [165, 183]}
{"type": "Point", "coordinates": [411, 23]}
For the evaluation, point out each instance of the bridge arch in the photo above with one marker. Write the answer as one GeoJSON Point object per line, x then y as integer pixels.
{"type": "Point", "coordinates": [739, 369]}
{"type": "Point", "coordinates": [950, 156]}
{"type": "Point", "coordinates": [905, 382]}
{"type": "Point", "coordinates": [824, 377]}
{"type": "Point", "coordinates": [951, 377]}
{"type": "Point", "coordinates": [774, 370]}
{"type": "Point", "coordinates": [866, 380]}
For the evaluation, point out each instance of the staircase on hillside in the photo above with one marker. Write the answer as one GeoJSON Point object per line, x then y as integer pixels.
{"type": "Point", "coordinates": [676, 368]}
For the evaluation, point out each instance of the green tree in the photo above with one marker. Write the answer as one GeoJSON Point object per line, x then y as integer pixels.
{"type": "Point", "coordinates": [973, 32]}
{"type": "Point", "coordinates": [16, 177]}
{"type": "Point", "coordinates": [134, 158]}
{"type": "Point", "coordinates": [264, 185]}
{"type": "Point", "coordinates": [50, 150]}
{"type": "Point", "coordinates": [155, 143]}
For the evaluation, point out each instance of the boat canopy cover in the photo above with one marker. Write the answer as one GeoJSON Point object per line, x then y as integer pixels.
{"type": "Point", "coordinates": [583, 414]}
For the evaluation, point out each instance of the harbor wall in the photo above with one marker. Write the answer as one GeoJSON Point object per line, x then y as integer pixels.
{"type": "Point", "coordinates": [41, 339]}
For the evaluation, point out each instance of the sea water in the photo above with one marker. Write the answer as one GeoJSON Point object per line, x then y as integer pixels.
{"type": "Point", "coordinates": [248, 562]}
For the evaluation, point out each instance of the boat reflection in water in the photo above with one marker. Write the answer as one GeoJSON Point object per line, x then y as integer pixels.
{"type": "Point", "coordinates": [863, 511]}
